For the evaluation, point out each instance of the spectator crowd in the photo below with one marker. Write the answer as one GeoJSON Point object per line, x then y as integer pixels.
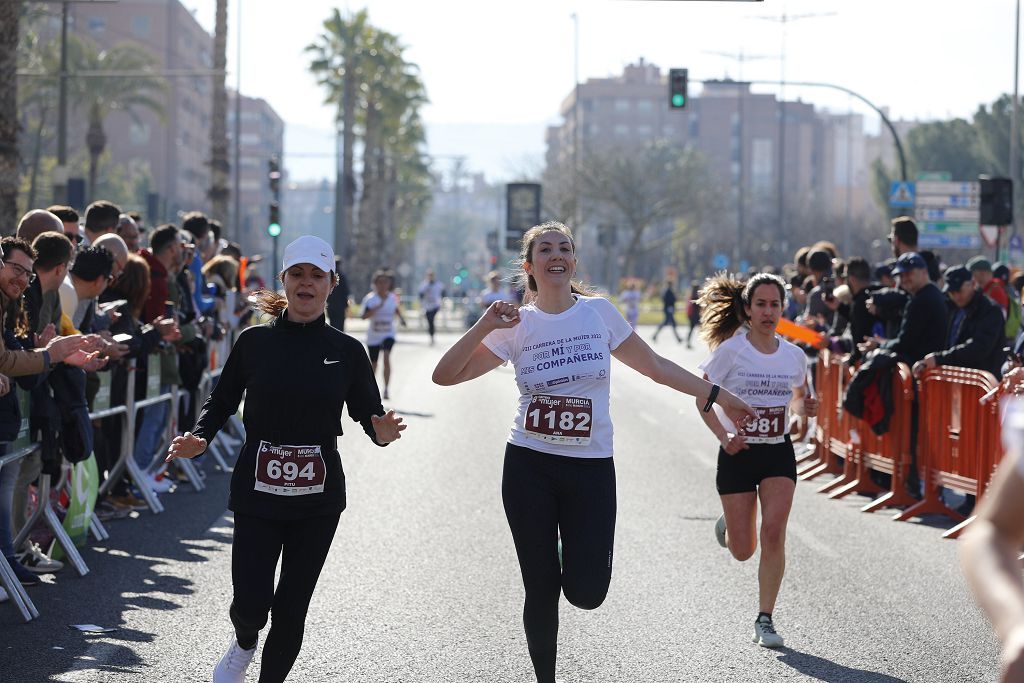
{"type": "Point", "coordinates": [84, 296]}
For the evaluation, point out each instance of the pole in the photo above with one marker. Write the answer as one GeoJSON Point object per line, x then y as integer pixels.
{"type": "Point", "coordinates": [236, 211]}
{"type": "Point", "coordinates": [60, 190]}
{"type": "Point", "coordinates": [576, 124]}
{"type": "Point", "coordinates": [1015, 122]}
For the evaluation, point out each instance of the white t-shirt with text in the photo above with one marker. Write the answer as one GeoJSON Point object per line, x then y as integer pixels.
{"type": "Point", "coordinates": [382, 322]}
{"type": "Point", "coordinates": [563, 369]}
{"type": "Point", "coordinates": [764, 381]}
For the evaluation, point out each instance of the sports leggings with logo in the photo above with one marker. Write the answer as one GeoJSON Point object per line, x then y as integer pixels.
{"type": "Point", "coordinates": [547, 495]}
{"type": "Point", "coordinates": [302, 545]}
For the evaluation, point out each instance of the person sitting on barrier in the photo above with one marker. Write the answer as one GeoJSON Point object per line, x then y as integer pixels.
{"type": "Point", "coordinates": [287, 489]}
{"type": "Point", "coordinates": [990, 547]}
{"type": "Point", "coordinates": [975, 335]}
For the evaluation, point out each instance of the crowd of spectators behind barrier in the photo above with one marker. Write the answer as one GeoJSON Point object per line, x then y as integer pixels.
{"type": "Point", "coordinates": [911, 308]}
{"type": "Point", "coordinates": [83, 295]}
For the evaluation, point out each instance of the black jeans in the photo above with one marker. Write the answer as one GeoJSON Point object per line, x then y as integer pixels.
{"type": "Point", "coordinates": [547, 495]}
{"type": "Point", "coordinates": [258, 543]}
{"type": "Point", "coordinates": [430, 315]}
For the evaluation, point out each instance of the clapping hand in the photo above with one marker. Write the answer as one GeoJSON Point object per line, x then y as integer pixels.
{"type": "Point", "coordinates": [388, 427]}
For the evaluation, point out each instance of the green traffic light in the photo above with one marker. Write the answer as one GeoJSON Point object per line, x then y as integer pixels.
{"type": "Point", "coordinates": [274, 229]}
{"type": "Point", "coordinates": [678, 100]}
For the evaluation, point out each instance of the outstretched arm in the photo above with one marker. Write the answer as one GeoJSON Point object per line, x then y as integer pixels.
{"type": "Point", "coordinates": [635, 353]}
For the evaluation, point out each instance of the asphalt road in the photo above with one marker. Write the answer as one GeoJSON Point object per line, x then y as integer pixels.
{"type": "Point", "coordinates": [422, 583]}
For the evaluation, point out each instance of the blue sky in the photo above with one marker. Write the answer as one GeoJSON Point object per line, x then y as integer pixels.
{"type": "Point", "coordinates": [487, 62]}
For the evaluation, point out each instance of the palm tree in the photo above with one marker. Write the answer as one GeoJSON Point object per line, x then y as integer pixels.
{"type": "Point", "coordinates": [126, 91]}
{"type": "Point", "coordinates": [220, 168]}
{"type": "Point", "coordinates": [9, 20]}
{"type": "Point", "coordinates": [336, 55]}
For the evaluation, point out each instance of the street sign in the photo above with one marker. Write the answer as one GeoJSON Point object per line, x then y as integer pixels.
{"type": "Point", "coordinates": [989, 233]}
{"type": "Point", "coordinates": [938, 240]}
{"type": "Point", "coordinates": [934, 175]}
{"type": "Point", "coordinates": [720, 262]}
{"type": "Point", "coordinates": [929, 214]}
{"type": "Point", "coordinates": [965, 227]}
{"type": "Point", "coordinates": [523, 212]}
{"type": "Point", "coordinates": [953, 201]}
{"type": "Point", "coordinates": [942, 187]}
{"type": "Point", "coordinates": [901, 195]}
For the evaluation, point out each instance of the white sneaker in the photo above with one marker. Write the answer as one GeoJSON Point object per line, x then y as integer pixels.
{"type": "Point", "coordinates": [764, 633]}
{"type": "Point", "coordinates": [720, 531]}
{"type": "Point", "coordinates": [158, 485]}
{"type": "Point", "coordinates": [38, 562]}
{"type": "Point", "coordinates": [231, 667]}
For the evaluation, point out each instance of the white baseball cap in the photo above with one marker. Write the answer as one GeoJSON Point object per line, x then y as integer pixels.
{"type": "Point", "coordinates": [309, 249]}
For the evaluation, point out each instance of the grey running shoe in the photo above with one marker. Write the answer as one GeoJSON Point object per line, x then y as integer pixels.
{"type": "Point", "coordinates": [764, 633]}
{"type": "Point", "coordinates": [720, 531]}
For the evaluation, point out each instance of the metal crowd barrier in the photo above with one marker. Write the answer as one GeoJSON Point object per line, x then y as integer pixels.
{"type": "Point", "coordinates": [227, 440]}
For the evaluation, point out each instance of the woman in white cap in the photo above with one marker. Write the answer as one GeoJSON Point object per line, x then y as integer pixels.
{"type": "Point", "coordinates": [288, 487]}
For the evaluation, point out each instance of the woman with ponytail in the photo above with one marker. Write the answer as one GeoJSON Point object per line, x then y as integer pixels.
{"type": "Point", "coordinates": [558, 485]}
{"type": "Point", "coordinates": [288, 488]}
{"type": "Point", "coordinates": [756, 459]}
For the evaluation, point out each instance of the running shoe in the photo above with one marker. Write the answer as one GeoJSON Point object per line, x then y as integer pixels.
{"type": "Point", "coordinates": [231, 667]}
{"type": "Point", "coordinates": [764, 633]}
{"type": "Point", "coordinates": [37, 562]}
{"type": "Point", "coordinates": [24, 576]}
{"type": "Point", "coordinates": [159, 484]}
{"type": "Point", "coordinates": [720, 531]}
{"type": "Point", "coordinates": [130, 501]}
{"type": "Point", "coordinates": [385, 396]}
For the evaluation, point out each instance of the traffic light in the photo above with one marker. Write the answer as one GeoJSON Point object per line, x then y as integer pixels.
{"type": "Point", "coordinates": [995, 203]}
{"type": "Point", "coordinates": [274, 226]}
{"type": "Point", "coordinates": [678, 80]}
{"type": "Point", "coordinates": [274, 178]}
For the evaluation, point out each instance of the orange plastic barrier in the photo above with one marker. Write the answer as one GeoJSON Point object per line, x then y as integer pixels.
{"type": "Point", "coordinates": [788, 328]}
{"type": "Point", "coordinates": [828, 385]}
{"type": "Point", "coordinates": [841, 435]}
{"type": "Point", "coordinates": [955, 437]}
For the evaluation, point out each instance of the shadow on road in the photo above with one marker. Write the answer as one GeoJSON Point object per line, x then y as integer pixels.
{"type": "Point", "coordinates": [128, 572]}
{"type": "Point", "coordinates": [826, 670]}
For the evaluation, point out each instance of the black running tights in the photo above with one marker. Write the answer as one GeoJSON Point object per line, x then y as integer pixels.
{"type": "Point", "coordinates": [544, 496]}
{"type": "Point", "coordinates": [302, 544]}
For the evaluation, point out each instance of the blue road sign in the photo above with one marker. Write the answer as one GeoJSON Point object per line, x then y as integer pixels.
{"type": "Point", "coordinates": [901, 195]}
{"type": "Point", "coordinates": [720, 261]}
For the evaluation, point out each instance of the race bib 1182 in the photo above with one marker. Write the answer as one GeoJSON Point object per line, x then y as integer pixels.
{"type": "Point", "coordinates": [559, 419]}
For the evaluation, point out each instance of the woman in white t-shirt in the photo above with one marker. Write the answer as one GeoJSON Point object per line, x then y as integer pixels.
{"type": "Point", "coordinates": [559, 479]}
{"type": "Point", "coordinates": [381, 306]}
{"type": "Point", "coordinates": [756, 458]}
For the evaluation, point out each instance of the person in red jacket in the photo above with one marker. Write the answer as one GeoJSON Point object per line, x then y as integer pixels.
{"type": "Point", "coordinates": [981, 271]}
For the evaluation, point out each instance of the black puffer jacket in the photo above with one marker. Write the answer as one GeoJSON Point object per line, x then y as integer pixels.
{"type": "Point", "coordinates": [979, 341]}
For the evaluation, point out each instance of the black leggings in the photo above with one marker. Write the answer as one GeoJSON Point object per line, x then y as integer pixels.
{"type": "Point", "coordinates": [257, 545]}
{"type": "Point", "coordinates": [430, 321]}
{"type": "Point", "coordinates": [545, 495]}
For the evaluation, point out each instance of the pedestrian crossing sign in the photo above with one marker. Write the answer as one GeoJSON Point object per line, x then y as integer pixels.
{"type": "Point", "coordinates": [901, 195]}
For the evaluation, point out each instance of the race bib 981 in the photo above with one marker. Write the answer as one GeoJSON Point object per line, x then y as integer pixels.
{"type": "Point", "coordinates": [770, 426]}
{"type": "Point", "coordinates": [559, 419]}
